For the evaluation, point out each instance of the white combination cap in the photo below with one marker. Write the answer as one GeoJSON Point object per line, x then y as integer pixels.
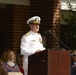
{"type": "Point", "coordinates": [34, 20]}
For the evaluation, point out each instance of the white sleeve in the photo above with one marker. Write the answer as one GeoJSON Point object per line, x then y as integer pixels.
{"type": "Point", "coordinates": [25, 46]}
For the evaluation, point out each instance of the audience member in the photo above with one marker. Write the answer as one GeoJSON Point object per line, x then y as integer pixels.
{"type": "Point", "coordinates": [9, 63]}
{"type": "Point", "coordinates": [74, 62]}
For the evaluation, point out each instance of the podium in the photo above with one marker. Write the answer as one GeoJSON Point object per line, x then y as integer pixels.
{"type": "Point", "coordinates": [50, 62]}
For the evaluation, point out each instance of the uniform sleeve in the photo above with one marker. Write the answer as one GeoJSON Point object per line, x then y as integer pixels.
{"type": "Point", "coordinates": [25, 46]}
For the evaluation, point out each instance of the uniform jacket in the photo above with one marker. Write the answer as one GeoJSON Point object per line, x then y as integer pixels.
{"type": "Point", "coordinates": [30, 43]}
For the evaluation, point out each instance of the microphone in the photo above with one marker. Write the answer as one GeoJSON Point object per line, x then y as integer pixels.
{"type": "Point", "coordinates": [54, 34]}
{"type": "Point", "coordinates": [47, 31]}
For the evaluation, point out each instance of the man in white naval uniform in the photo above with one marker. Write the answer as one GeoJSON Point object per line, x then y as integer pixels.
{"type": "Point", "coordinates": [31, 42]}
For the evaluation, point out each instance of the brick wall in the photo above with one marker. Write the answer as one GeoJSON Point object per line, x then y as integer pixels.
{"type": "Point", "coordinates": [20, 15]}
{"type": "Point", "coordinates": [13, 22]}
{"type": "Point", "coordinates": [5, 29]}
{"type": "Point", "coordinates": [13, 26]}
{"type": "Point", "coordinates": [49, 12]}
{"type": "Point", "coordinates": [56, 25]}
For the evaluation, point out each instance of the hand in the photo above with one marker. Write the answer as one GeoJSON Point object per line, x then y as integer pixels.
{"type": "Point", "coordinates": [38, 51]}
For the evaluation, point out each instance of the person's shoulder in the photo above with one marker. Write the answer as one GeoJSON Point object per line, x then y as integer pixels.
{"type": "Point", "coordinates": [39, 34]}
{"type": "Point", "coordinates": [26, 34]}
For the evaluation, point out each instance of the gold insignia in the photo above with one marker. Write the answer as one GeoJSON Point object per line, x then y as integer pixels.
{"type": "Point", "coordinates": [37, 19]}
{"type": "Point", "coordinates": [27, 34]}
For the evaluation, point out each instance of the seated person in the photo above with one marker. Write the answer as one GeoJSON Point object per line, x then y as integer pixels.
{"type": "Point", "coordinates": [74, 62]}
{"type": "Point", "coordinates": [10, 64]}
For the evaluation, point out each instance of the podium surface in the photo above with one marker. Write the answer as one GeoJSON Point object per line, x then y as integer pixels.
{"type": "Point", "coordinates": [50, 62]}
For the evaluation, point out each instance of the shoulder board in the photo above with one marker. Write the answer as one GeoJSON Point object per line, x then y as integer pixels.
{"type": "Point", "coordinates": [27, 34]}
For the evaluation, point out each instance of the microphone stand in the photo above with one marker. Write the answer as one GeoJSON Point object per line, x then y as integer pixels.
{"type": "Point", "coordinates": [53, 33]}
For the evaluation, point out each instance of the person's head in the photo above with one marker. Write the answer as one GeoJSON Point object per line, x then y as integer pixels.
{"type": "Point", "coordinates": [74, 55]}
{"type": "Point", "coordinates": [34, 23]}
{"type": "Point", "coordinates": [10, 56]}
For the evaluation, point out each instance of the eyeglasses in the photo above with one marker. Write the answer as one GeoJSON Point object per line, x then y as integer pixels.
{"type": "Point", "coordinates": [73, 54]}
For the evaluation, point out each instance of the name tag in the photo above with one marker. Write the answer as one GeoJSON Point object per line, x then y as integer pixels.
{"type": "Point", "coordinates": [33, 40]}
